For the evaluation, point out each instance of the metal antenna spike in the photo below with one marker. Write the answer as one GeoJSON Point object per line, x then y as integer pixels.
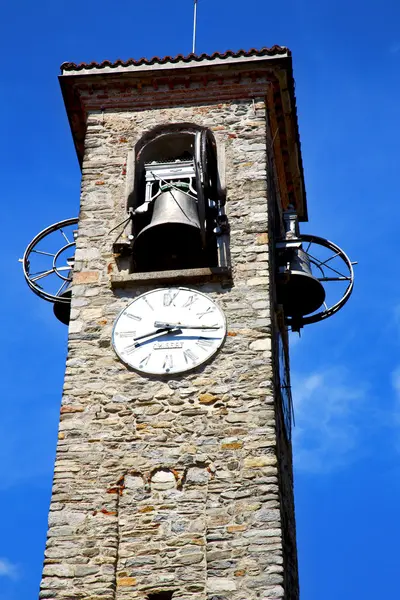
{"type": "Point", "coordinates": [194, 27]}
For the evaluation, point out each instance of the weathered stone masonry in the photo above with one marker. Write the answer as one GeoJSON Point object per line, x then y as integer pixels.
{"type": "Point", "coordinates": [180, 483]}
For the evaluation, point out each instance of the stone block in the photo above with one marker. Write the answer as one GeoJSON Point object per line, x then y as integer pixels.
{"type": "Point", "coordinates": [84, 277]}
{"type": "Point", "coordinates": [220, 584]}
{"type": "Point", "coordinates": [259, 461]}
{"type": "Point", "coordinates": [261, 345]}
{"type": "Point", "coordinates": [126, 581]}
{"type": "Point", "coordinates": [257, 281]}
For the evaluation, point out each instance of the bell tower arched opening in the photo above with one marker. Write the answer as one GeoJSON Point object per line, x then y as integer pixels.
{"type": "Point", "coordinates": [177, 202]}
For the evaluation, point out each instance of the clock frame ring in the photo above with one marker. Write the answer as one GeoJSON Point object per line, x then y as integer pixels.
{"type": "Point", "coordinates": [172, 334]}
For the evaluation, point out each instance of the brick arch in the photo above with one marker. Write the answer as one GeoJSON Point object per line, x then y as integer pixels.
{"type": "Point", "coordinates": [165, 129]}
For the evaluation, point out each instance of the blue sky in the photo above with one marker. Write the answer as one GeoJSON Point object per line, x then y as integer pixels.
{"type": "Point", "coordinates": [345, 371]}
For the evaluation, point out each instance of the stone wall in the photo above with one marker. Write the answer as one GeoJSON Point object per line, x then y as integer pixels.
{"type": "Point", "coordinates": [171, 483]}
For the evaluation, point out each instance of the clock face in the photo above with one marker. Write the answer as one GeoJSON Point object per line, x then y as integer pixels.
{"type": "Point", "coordinates": [169, 330]}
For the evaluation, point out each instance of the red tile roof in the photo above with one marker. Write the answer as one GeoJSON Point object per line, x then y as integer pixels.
{"type": "Point", "coordinates": [195, 58]}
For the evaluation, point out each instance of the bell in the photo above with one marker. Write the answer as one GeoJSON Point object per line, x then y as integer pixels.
{"type": "Point", "coordinates": [173, 238]}
{"type": "Point", "coordinates": [62, 310]}
{"type": "Point", "coordinates": [299, 292]}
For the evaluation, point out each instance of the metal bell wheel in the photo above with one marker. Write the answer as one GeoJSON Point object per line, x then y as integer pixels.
{"type": "Point", "coordinates": [48, 263]}
{"type": "Point", "coordinates": [319, 276]}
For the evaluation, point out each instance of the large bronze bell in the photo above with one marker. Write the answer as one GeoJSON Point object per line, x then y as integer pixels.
{"type": "Point", "coordinates": [172, 240]}
{"type": "Point", "coordinates": [298, 290]}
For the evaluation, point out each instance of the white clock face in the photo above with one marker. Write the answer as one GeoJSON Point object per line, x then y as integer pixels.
{"type": "Point", "coordinates": [167, 331]}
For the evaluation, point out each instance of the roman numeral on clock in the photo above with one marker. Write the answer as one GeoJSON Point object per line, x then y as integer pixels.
{"type": "Point", "coordinates": [134, 317]}
{"type": "Point", "coordinates": [209, 310]}
{"type": "Point", "coordinates": [131, 348]}
{"type": "Point", "coordinates": [205, 343]}
{"type": "Point", "coordinates": [148, 303]}
{"type": "Point", "coordinates": [169, 298]}
{"type": "Point", "coordinates": [189, 355]}
{"type": "Point", "coordinates": [144, 360]}
{"type": "Point", "coordinates": [191, 300]}
{"type": "Point", "coordinates": [168, 362]}
{"type": "Point", "coordinates": [127, 334]}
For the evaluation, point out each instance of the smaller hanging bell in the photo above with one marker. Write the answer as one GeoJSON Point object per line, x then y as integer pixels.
{"type": "Point", "coordinates": [299, 292]}
{"type": "Point", "coordinates": [61, 309]}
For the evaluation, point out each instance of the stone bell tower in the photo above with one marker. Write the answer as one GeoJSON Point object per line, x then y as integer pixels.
{"type": "Point", "coordinates": [173, 476]}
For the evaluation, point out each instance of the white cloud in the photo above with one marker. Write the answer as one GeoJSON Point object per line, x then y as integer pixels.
{"type": "Point", "coordinates": [327, 406]}
{"type": "Point", "coordinates": [7, 569]}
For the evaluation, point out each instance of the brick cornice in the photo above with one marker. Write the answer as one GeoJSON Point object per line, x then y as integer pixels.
{"type": "Point", "coordinates": [270, 79]}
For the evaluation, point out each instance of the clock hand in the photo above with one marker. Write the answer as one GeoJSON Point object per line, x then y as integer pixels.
{"type": "Point", "coordinates": [167, 326]}
{"type": "Point", "coordinates": [154, 333]}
